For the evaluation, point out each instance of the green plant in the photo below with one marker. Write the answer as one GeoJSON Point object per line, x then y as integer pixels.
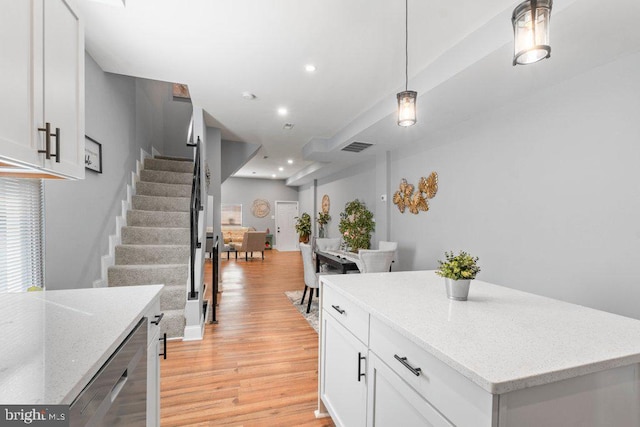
{"type": "Point", "coordinates": [356, 225]}
{"type": "Point", "coordinates": [458, 267]}
{"type": "Point", "coordinates": [303, 224]}
{"type": "Point", "coordinates": [322, 220]}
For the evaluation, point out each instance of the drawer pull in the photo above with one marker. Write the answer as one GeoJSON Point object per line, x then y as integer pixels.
{"type": "Point", "coordinates": [158, 319]}
{"type": "Point", "coordinates": [338, 309]}
{"type": "Point", "coordinates": [403, 360]}
{"type": "Point", "coordinates": [360, 359]}
{"type": "Point", "coordinates": [164, 346]}
{"type": "Point", "coordinates": [47, 151]}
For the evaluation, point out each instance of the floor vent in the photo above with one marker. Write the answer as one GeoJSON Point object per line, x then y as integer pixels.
{"type": "Point", "coordinates": [356, 147]}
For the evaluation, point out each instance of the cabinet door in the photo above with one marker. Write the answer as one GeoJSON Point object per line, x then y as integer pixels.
{"type": "Point", "coordinates": [16, 75]}
{"type": "Point", "coordinates": [63, 76]}
{"type": "Point", "coordinates": [153, 381]}
{"type": "Point", "coordinates": [393, 403]}
{"type": "Point", "coordinates": [343, 390]}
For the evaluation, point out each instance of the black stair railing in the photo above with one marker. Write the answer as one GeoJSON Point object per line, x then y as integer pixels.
{"type": "Point", "coordinates": [214, 279]}
{"type": "Point", "coordinates": [196, 207]}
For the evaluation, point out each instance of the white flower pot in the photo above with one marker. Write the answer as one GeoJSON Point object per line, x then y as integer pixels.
{"type": "Point", "coordinates": [457, 289]}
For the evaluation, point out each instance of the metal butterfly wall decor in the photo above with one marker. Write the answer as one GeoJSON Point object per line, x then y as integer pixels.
{"type": "Point", "coordinates": [405, 198]}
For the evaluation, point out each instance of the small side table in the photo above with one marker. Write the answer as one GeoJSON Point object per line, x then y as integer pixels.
{"type": "Point", "coordinates": [268, 241]}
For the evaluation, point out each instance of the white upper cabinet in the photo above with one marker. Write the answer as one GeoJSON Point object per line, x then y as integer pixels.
{"type": "Point", "coordinates": [42, 52]}
{"type": "Point", "coordinates": [17, 142]}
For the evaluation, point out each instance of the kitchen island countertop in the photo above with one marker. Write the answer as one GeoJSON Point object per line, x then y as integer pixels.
{"type": "Point", "coordinates": [501, 339]}
{"type": "Point", "coordinates": [56, 341]}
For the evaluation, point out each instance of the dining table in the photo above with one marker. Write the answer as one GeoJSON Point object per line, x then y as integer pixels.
{"type": "Point", "coordinates": [340, 260]}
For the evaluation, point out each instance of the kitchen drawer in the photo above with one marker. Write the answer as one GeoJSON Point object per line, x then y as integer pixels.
{"type": "Point", "coordinates": [352, 317]}
{"type": "Point", "coordinates": [393, 403]}
{"type": "Point", "coordinates": [460, 400]}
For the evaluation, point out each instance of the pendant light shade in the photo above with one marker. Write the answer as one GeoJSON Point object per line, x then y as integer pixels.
{"type": "Point", "coordinates": [407, 108]}
{"type": "Point", "coordinates": [406, 99]}
{"type": "Point", "coordinates": [530, 21]}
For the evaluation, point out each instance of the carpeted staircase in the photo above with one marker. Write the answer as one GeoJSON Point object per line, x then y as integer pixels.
{"type": "Point", "coordinates": [155, 241]}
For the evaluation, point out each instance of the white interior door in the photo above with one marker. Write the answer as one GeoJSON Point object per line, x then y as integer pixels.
{"type": "Point", "coordinates": [286, 236]}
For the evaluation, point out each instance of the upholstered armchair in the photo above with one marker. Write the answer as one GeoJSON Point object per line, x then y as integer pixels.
{"type": "Point", "coordinates": [252, 241]}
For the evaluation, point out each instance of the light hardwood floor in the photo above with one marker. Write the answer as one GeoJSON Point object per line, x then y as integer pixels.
{"type": "Point", "coordinates": [259, 365]}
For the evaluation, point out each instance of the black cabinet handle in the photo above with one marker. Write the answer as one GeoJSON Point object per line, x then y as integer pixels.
{"type": "Point", "coordinates": [57, 136]}
{"type": "Point", "coordinates": [158, 319]}
{"type": "Point", "coordinates": [360, 359]}
{"type": "Point", "coordinates": [47, 142]}
{"type": "Point", "coordinates": [164, 346]}
{"type": "Point", "coordinates": [338, 309]}
{"type": "Point", "coordinates": [403, 360]}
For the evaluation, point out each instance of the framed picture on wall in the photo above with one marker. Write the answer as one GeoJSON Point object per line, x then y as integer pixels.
{"type": "Point", "coordinates": [231, 214]}
{"type": "Point", "coordinates": [92, 154]}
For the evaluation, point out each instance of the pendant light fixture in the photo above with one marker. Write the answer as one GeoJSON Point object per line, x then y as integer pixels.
{"type": "Point", "coordinates": [530, 21]}
{"type": "Point", "coordinates": [407, 98]}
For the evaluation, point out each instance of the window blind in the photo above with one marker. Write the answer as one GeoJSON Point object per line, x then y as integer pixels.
{"type": "Point", "coordinates": [21, 234]}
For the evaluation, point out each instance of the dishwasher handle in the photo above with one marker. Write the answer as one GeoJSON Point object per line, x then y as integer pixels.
{"type": "Point", "coordinates": [115, 391]}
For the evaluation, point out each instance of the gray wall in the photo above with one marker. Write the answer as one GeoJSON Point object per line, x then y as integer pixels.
{"type": "Point", "coordinates": [79, 215]}
{"type": "Point", "coordinates": [125, 115]}
{"type": "Point", "coordinates": [356, 182]}
{"type": "Point", "coordinates": [246, 190]}
{"type": "Point", "coordinates": [544, 190]}
{"type": "Point", "coordinates": [236, 155]}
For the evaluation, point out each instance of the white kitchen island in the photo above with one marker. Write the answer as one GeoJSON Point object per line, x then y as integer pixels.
{"type": "Point", "coordinates": [55, 342]}
{"type": "Point", "coordinates": [395, 351]}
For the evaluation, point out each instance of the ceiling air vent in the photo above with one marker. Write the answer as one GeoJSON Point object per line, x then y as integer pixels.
{"type": "Point", "coordinates": [356, 147]}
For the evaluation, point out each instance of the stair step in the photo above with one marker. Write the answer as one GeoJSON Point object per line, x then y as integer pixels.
{"type": "Point", "coordinates": [161, 203]}
{"type": "Point", "coordinates": [166, 177]}
{"type": "Point", "coordinates": [163, 189]}
{"type": "Point", "coordinates": [177, 159]}
{"type": "Point", "coordinates": [173, 323]}
{"type": "Point", "coordinates": [152, 254]}
{"type": "Point", "coordinates": [173, 297]}
{"type": "Point", "coordinates": [155, 236]}
{"type": "Point", "coordinates": [159, 274]}
{"type": "Point", "coordinates": [158, 219]}
{"type": "Point", "coordinates": [168, 165]}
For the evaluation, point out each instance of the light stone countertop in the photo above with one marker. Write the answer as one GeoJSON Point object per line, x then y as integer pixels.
{"type": "Point", "coordinates": [501, 339]}
{"type": "Point", "coordinates": [54, 342]}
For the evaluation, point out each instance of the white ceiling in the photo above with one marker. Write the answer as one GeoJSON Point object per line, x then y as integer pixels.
{"type": "Point", "coordinates": [221, 48]}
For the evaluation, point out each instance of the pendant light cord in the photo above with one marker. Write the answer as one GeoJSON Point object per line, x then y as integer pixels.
{"type": "Point", "coordinates": [406, 45]}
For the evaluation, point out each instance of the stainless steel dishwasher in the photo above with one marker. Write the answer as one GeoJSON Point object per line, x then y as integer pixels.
{"type": "Point", "coordinates": [117, 394]}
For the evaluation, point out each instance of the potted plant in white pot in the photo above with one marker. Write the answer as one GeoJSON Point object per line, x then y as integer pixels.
{"type": "Point", "coordinates": [458, 271]}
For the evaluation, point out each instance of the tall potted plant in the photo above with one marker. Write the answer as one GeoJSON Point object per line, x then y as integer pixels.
{"type": "Point", "coordinates": [356, 225]}
{"type": "Point", "coordinates": [458, 271]}
{"type": "Point", "coordinates": [303, 227]}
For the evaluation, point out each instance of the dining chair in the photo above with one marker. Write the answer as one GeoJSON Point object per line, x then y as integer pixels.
{"type": "Point", "coordinates": [374, 261]}
{"type": "Point", "coordinates": [327, 244]}
{"type": "Point", "coordinates": [310, 276]}
{"type": "Point", "coordinates": [389, 246]}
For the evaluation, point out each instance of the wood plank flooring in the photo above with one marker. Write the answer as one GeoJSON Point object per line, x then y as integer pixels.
{"type": "Point", "coordinates": [259, 365]}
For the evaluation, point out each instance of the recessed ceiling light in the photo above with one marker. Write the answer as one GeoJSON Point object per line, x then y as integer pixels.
{"type": "Point", "coordinates": [310, 68]}
{"type": "Point", "coordinates": [248, 96]}
{"type": "Point", "coordinates": [273, 175]}
{"type": "Point", "coordinates": [280, 168]}
{"type": "Point", "coordinates": [290, 161]}
{"type": "Point", "coordinates": [282, 111]}
{"type": "Point", "coordinates": [287, 126]}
